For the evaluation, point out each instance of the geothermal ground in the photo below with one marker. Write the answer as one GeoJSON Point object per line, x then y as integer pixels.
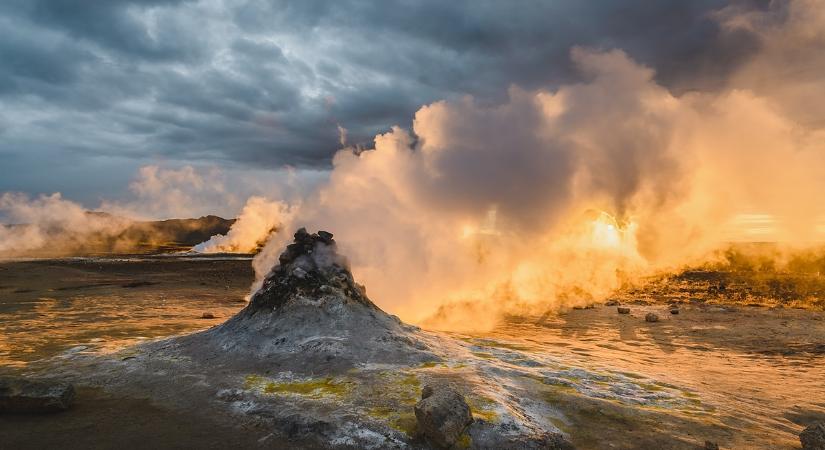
{"type": "Point", "coordinates": [720, 370]}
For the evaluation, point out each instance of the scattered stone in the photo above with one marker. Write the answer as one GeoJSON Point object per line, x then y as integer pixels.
{"type": "Point", "coordinates": [674, 311]}
{"type": "Point", "coordinates": [651, 317]}
{"type": "Point", "coordinates": [207, 315]}
{"type": "Point", "coordinates": [813, 437]}
{"type": "Point", "coordinates": [442, 415]}
{"type": "Point", "coordinates": [710, 445]}
{"type": "Point", "coordinates": [612, 302]}
{"type": "Point", "coordinates": [19, 395]}
{"type": "Point", "coordinates": [623, 310]}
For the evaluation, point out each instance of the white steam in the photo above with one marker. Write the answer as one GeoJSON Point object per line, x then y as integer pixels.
{"type": "Point", "coordinates": [48, 221]}
{"type": "Point", "coordinates": [259, 218]}
{"type": "Point", "coordinates": [50, 225]}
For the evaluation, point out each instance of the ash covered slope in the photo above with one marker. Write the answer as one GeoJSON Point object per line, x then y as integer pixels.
{"type": "Point", "coordinates": [310, 315]}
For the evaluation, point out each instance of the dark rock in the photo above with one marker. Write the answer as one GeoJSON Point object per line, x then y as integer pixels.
{"type": "Point", "coordinates": [295, 249]}
{"type": "Point", "coordinates": [207, 315]}
{"type": "Point", "coordinates": [674, 311]}
{"type": "Point", "coordinates": [623, 310]}
{"type": "Point", "coordinates": [325, 236]}
{"type": "Point", "coordinates": [442, 415]}
{"type": "Point", "coordinates": [18, 395]}
{"type": "Point", "coordinates": [813, 437]}
{"type": "Point", "coordinates": [302, 235]}
{"type": "Point", "coordinates": [612, 302]}
{"type": "Point", "coordinates": [651, 317]}
{"type": "Point", "coordinates": [309, 267]}
{"type": "Point", "coordinates": [710, 445]}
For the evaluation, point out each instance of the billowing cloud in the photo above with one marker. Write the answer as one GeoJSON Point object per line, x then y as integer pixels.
{"type": "Point", "coordinates": [104, 90]}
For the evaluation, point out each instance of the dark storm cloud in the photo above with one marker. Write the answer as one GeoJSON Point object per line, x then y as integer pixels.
{"type": "Point", "coordinates": [267, 83]}
{"type": "Point", "coordinates": [112, 24]}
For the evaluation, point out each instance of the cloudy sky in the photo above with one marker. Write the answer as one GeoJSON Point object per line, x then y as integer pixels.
{"type": "Point", "coordinates": [91, 92]}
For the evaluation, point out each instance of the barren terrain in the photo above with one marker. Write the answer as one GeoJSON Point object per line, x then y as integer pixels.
{"type": "Point", "coordinates": [742, 376]}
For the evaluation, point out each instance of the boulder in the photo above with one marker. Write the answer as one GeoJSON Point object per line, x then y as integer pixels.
{"type": "Point", "coordinates": [18, 395]}
{"type": "Point", "coordinates": [442, 415]}
{"type": "Point", "coordinates": [651, 317]}
{"type": "Point", "coordinates": [207, 315]}
{"type": "Point", "coordinates": [710, 445]}
{"type": "Point", "coordinates": [813, 437]}
{"type": "Point", "coordinates": [623, 310]}
{"type": "Point", "coordinates": [674, 310]}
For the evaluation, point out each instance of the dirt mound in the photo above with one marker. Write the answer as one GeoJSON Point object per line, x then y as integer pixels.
{"type": "Point", "coordinates": [310, 315]}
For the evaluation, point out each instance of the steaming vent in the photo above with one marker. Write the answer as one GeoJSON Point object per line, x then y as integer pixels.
{"type": "Point", "coordinates": [310, 315]}
{"type": "Point", "coordinates": [309, 268]}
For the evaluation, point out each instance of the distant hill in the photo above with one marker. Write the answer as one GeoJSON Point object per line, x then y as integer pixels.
{"type": "Point", "coordinates": [165, 235]}
{"type": "Point", "coordinates": [123, 236]}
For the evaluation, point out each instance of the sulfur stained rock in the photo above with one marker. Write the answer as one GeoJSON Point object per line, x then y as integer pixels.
{"type": "Point", "coordinates": [18, 395]}
{"type": "Point", "coordinates": [813, 437]}
{"type": "Point", "coordinates": [442, 415]}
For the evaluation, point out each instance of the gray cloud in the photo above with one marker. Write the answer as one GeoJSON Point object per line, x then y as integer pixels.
{"type": "Point", "coordinates": [265, 83]}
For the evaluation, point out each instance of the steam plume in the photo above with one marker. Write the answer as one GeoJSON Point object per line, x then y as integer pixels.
{"type": "Point", "coordinates": [50, 225]}
{"type": "Point", "coordinates": [591, 185]}
{"type": "Point", "coordinates": [49, 221]}
{"type": "Point", "coordinates": [258, 220]}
